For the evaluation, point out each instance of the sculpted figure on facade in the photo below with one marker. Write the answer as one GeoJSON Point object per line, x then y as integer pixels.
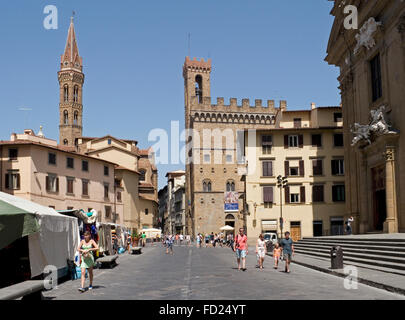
{"type": "Point", "coordinates": [365, 36]}
{"type": "Point", "coordinates": [377, 126]}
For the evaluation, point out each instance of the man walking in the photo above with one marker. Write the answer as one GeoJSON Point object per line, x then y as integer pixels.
{"type": "Point", "coordinates": [288, 250]}
{"type": "Point", "coordinates": [349, 225]}
{"type": "Point", "coordinates": [241, 249]}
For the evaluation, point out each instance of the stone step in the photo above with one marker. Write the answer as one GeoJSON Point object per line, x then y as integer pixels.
{"type": "Point", "coordinates": [344, 239]}
{"type": "Point", "coordinates": [349, 259]}
{"type": "Point", "coordinates": [379, 257]}
{"type": "Point", "coordinates": [357, 243]}
{"type": "Point", "coordinates": [385, 251]}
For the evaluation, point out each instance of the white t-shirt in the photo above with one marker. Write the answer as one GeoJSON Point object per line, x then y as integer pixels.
{"type": "Point", "coordinates": [181, 237]}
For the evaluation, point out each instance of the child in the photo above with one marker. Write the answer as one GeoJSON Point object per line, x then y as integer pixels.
{"type": "Point", "coordinates": [276, 255]}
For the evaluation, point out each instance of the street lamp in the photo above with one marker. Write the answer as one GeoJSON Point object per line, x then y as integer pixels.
{"type": "Point", "coordinates": [281, 183]}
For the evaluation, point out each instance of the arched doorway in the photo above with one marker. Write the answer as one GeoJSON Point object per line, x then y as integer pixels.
{"type": "Point", "coordinates": [230, 220]}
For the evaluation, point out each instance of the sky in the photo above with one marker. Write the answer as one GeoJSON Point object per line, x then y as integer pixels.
{"type": "Point", "coordinates": [133, 52]}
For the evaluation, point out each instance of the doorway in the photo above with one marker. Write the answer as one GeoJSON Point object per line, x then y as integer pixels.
{"type": "Point", "coordinates": [336, 227]}
{"type": "Point", "coordinates": [317, 228]}
{"type": "Point", "coordinates": [295, 228]}
{"type": "Point", "coordinates": [380, 209]}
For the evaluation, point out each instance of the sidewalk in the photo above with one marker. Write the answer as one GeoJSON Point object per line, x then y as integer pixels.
{"type": "Point", "coordinates": [392, 282]}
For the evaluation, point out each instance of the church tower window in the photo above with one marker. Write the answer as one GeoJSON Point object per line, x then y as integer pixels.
{"type": "Point", "coordinates": [75, 118]}
{"type": "Point", "coordinates": [65, 117]}
{"type": "Point", "coordinates": [76, 94]}
{"type": "Point", "coordinates": [198, 88]}
{"type": "Point", "coordinates": [66, 93]}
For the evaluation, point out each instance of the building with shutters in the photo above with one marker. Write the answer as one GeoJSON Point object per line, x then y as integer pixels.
{"type": "Point", "coordinates": [306, 146]}
{"type": "Point", "coordinates": [38, 169]}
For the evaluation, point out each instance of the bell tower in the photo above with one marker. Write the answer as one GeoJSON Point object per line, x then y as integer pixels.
{"type": "Point", "coordinates": [71, 80]}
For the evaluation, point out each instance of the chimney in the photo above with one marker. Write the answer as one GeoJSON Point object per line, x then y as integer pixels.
{"type": "Point", "coordinates": [313, 105]}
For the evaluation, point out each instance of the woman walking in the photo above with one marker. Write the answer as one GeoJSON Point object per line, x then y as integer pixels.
{"type": "Point", "coordinates": [261, 250]}
{"type": "Point", "coordinates": [86, 248]}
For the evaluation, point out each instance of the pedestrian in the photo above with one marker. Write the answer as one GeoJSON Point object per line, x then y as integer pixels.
{"type": "Point", "coordinates": [143, 239]}
{"type": "Point", "coordinates": [169, 244]}
{"type": "Point", "coordinates": [241, 249]}
{"type": "Point", "coordinates": [198, 240]}
{"type": "Point", "coordinates": [212, 237]}
{"type": "Point", "coordinates": [261, 250]}
{"type": "Point", "coordinates": [115, 242]}
{"type": "Point", "coordinates": [129, 241]}
{"type": "Point", "coordinates": [86, 248]}
{"type": "Point", "coordinates": [288, 250]}
{"type": "Point", "coordinates": [276, 255]}
{"type": "Point", "coordinates": [207, 239]}
{"type": "Point", "coordinates": [349, 225]}
{"type": "Point", "coordinates": [181, 239]}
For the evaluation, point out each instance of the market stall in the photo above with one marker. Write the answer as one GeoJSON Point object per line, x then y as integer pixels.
{"type": "Point", "coordinates": [52, 240]}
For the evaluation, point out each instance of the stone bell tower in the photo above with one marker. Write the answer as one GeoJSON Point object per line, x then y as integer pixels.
{"type": "Point", "coordinates": [71, 80]}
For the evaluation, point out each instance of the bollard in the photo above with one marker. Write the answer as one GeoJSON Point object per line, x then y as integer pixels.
{"type": "Point", "coordinates": [336, 257]}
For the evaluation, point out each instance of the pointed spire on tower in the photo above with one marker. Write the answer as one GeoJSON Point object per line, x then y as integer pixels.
{"type": "Point", "coordinates": [70, 58]}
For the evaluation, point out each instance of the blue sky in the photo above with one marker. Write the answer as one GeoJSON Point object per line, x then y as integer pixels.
{"type": "Point", "coordinates": [133, 52]}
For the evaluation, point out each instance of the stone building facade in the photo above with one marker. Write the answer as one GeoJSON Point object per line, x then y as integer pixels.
{"type": "Point", "coordinates": [212, 159]}
{"type": "Point", "coordinates": [371, 60]}
{"type": "Point", "coordinates": [306, 147]}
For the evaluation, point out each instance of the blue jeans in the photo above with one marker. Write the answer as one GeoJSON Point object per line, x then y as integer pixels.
{"type": "Point", "coordinates": [240, 253]}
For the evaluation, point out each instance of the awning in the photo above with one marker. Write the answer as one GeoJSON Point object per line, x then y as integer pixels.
{"type": "Point", "coordinates": [269, 225]}
{"type": "Point", "coordinates": [15, 222]}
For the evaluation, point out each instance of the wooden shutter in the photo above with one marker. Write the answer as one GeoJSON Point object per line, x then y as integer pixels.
{"type": "Point", "coordinates": [57, 184]}
{"type": "Point", "coordinates": [285, 141]}
{"type": "Point", "coordinates": [286, 168]}
{"type": "Point", "coordinates": [47, 183]}
{"type": "Point", "coordinates": [334, 167]}
{"type": "Point", "coordinates": [268, 194]}
{"type": "Point", "coordinates": [301, 141]}
{"type": "Point", "coordinates": [287, 194]}
{"type": "Point", "coordinates": [302, 171]}
{"type": "Point", "coordinates": [317, 167]}
{"type": "Point", "coordinates": [7, 181]}
{"type": "Point", "coordinates": [270, 168]}
{"type": "Point", "coordinates": [317, 193]}
{"type": "Point", "coordinates": [264, 165]}
{"type": "Point", "coordinates": [18, 181]}
{"type": "Point", "coordinates": [302, 194]}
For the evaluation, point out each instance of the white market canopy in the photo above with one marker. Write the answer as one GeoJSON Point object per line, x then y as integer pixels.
{"type": "Point", "coordinates": [227, 228]}
{"type": "Point", "coordinates": [57, 239]}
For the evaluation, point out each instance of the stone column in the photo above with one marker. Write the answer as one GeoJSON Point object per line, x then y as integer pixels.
{"type": "Point", "coordinates": [391, 223]}
{"type": "Point", "coordinates": [362, 191]}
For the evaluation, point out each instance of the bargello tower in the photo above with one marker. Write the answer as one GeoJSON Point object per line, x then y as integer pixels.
{"type": "Point", "coordinates": [214, 184]}
{"type": "Point", "coordinates": [71, 80]}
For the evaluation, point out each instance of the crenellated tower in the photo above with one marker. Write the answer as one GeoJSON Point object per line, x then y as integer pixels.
{"type": "Point", "coordinates": [71, 80]}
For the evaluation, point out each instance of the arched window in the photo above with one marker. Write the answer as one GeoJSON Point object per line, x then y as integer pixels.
{"type": "Point", "coordinates": [229, 217]}
{"type": "Point", "coordinates": [65, 117]}
{"type": "Point", "coordinates": [142, 176]}
{"type": "Point", "coordinates": [65, 142]}
{"type": "Point", "coordinates": [76, 94]}
{"type": "Point", "coordinates": [66, 93]}
{"type": "Point", "coordinates": [75, 117]}
{"type": "Point", "coordinates": [198, 88]}
{"type": "Point", "coordinates": [207, 186]}
{"type": "Point", "coordinates": [230, 185]}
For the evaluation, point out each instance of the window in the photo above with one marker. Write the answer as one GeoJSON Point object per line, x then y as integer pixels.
{"type": "Point", "coordinates": [107, 211]}
{"type": "Point", "coordinates": [142, 175]}
{"type": "Point", "coordinates": [317, 167]}
{"type": "Point", "coordinates": [338, 167]}
{"type": "Point", "coordinates": [297, 123]}
{"type": "Point", "coordinates": [12, 154]}
{"type": "Point", "coordinates": [109, 141]}
{"type": "Point", "coordinates": [70, 163]}
{"type": "Point", "coordinates": [338, 139]}
{"type": "Point", "coordinates": [293, 141]}
{"type": "Point", "coordinates": [293, 171]}
{"type": "Point", "coordinates": [338, 193]}
{"type": "Point", "coordinates": [198, 88]}
{"type": "Point", "coordinates": [230, 186]}
{"type": "Point", "coordinates": [207, 186]}
{"type": "Point", "coordinates": [65, 117]}
{"type": "Point", "coordinates": [317, 140]}
{"type": "Point", "coordinates": [106, 173]}
{"type": "Point", "coordinates": [146, 211]}
{"type": "Point", "coordinates": [294, 198]}
{"type": "Point", "coordinates": [376, 87]}
{"type": "Point", "coordinates": [85, 188]}
{"type": "Point", "coordinates": [337, 117]}
{"type": "Point", "coordinates": [13, 180]}
{"type": "Point", "coordinates": [267, 142]}
{"type": "Point", "coordinates": [52, 158]}
{"type": "Point", "coordinates": [65, 142]}
{"type": "Point", "coordinates": [267, 168]}
{"type": "Point", "coordinates": [317, 193]}
{"type": "Point", "coordinates": [207, 158]}
{"type": "Point", "coordinates": [52, 183]}
{"type": "Point", "coordinates": [119, 196]}
{"type": "Point", "coordinates": [76, 94]}
{"type": "Point", "coordinates": [69, 185]}
{"type": "Point", "coordinates": [267, 195]}
{"type": "Point", "coordinates": [75, 118]}
{"type": "Point", "coordinates": [85, 165]}
{"type": "Point", "coordinates": [106, 191]}
{"type": "Point", "coordinates": [228, 158]}
{"type": "Point", "coordinates": [65, 93]}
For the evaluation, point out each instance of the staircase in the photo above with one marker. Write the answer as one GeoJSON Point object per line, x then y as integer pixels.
{"type": "Point", "coordinates": [382, 254]}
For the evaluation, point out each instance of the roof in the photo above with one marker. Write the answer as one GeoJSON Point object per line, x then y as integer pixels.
{"type": "Point", "coordinates": [145, 185]}
{"type": "Point", "coordinates": [176, 173]}
{"type": "Point", "coordinates": [58, 148]}
{"type": "Point", "coordinates": [124, 168]}
{"type": "Point", "coordinates": [70, 57]}
{"type": "Point", "coordinates": [149, 197]}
